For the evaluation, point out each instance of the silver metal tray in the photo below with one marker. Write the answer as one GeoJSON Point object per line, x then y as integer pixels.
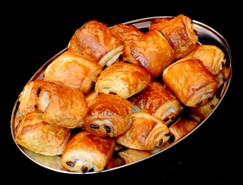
{"type": "Point", "coordinates": [207, 35]}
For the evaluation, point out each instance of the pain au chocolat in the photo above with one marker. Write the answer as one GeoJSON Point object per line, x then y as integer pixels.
{"type": "Point", "coordinates": [190, 81]}
{"type": "Point", "coordinates": [122, 78]}
{"type": "Point", "coordinates": [58, 104]}
{"type": "Point", "coordinates": [86, 152]}
{"type": "Point", "coordinates": [205, 110]}
{"type": "Point", "coordinates": [157, 101]}
{"type": "Point", "coordinates": [41, 137]}
{"type": "Point", "coordinates": [109, 115]}
{"type": "Point", "coordinates": [151, 51]}
{"type": "Point", "coordinates": [212, 57]}
{"type": "Point", "coordinates": [179, 31]}
{"type": "Point", "coordinates": [182, 127]}
{"type": "Point", "coordinates": [130, 155]}
{"type": "Point", "coordinates": [95, 42]}
{"type": "Point", "coordinates": [126, 33]}
{"type": "Point", "coordinates": [146, 133]}
{"type": "Point", "coordinates": [72, 70]}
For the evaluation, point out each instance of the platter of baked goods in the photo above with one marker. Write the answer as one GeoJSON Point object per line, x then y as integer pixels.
{"type": "Point", "coordinates": [121, 94]}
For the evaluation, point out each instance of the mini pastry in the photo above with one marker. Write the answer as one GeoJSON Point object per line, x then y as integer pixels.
{"type": "Point", "coordinates": [41, 137]}
{"type": "Point", "coordinates": [205, 110]}
{"type": "Point", "coordinates": [151, 51]}
{"type": "Point", "coordinates": [190, 81]}
{"type": "Point", "coordinates": [86, 152]}
{"type": "Point", "coordinates": [71, 70]}
{"type": "Point", "coordinates": [115, 161]}
{"type": "Point", "coordinates": [182, 127]}
{"type": "Point", "coordinates": [180, 32]}
{"type": "Point", "coordinates": [132, 155]}
{"type": "Point", "coordinates": [126, 32]}
{"type": "Point", "coordinates": [122, 78]}
{"type": "Point", "coordinates": [17, 119]}
{"type": "Point", "coordinates": [95, 42]}
{"type": "Point", "coordinates": [59, 105]}
{"type": "Point", "coordinates": [108, 115]}
{"type": "Point", "coordinates": [224, 75]}
{"type": "Point", "coordinates": [212, 57]}
{"type": "Point", "coordinates": [146, 133]}
{"type": "Point", "coordinates": [158, 101]}
{"type": "Point", "coordinates": [90, 97]}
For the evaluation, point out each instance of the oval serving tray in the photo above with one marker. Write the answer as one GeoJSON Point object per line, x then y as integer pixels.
{"type": "Point", "coordinates": [206, 34]}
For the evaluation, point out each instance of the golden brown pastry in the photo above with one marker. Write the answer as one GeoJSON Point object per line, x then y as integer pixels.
{"type": "Point", "coordinates": [71, 70]}
{"type": "Point", "coordinates": [146, 133]}
{"type": "Point", "coordinates": [221, 89]}
{"type": "Point", "coordinates": [212, 57]}
{"type": "Point", "coordinates": [115, 161]}
{"type": "Point", "coordinates": [205, 110]}
{"type": "Point", "coordinates": [132, 155]}
{"type": "Point", "coordinates": [108, 115]}
{"type": "Point", "coordinates": [41, 137]}
{"type": "Point", "coordinates": [17, 118]}
{"type": "Point", "coordinates": [191, 82]}
{"type": "Point", "coordinates": [180, 32]}
{"type": "Point", "coordinates": [224, 75]}
{"type": "Point", "coordinates": [95, 42]}
{"type": "Point", "coordinates": [59, 105]}
{"type": "Point", "coordinates": [90, 97]}
{"type": "Point", "coordinates": [86, 152]}
{"type": "Point", "coordinates": [154, 23]}
{"type": "Point", "coordinates": [182, 127]}
{"type": "Point", "coordinates": [126, 32]}
{"type": "Point", "coordinates": [151, 51]}
{"type": "Point", "coordinates": [158, 101]}
{"type": "Point", "coordinates": [122, 78]}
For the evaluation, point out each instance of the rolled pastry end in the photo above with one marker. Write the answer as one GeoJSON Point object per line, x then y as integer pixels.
{"type": "Point", "coordinates": [109, 115]}
{"type": "Point", "coordinates": [86, 152]}
{"type": "Point", "coordinates": [191, 82]}
{"type": "Point", "coordinates": [41, 137]}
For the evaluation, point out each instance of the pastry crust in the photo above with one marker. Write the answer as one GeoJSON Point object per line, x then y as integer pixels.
{"type": "Point", "coordinates": [151, 51]}
{"type": "Point", "coordinates": [126, 32]}
{"type": "Point", "coordinates": [224, 75]}
{"type": "Point", "coordinates": [122, 78]}
{"type": "Point", "coordinates": [41, 137]}
{"type": "Point", "coordinates": [86, 152]}
{"type": "Point", "coordinates": [59, 105]}
{"type": "Point", "coordinates": [179, 31]}
{"type": "Point", "coordinates": [132, 155]}
{"type": "Point", "coordinates": [212, 57]}
{"type": "Point", "coordinates": [95, 42]}
{"type": "Point", "coordinates": [191, 82]}
{"type": "Point", "coordinates": [182, 127]}
{"type": "Point", "coordinates": [71, 70]}
{"type": "Point", "coordinates": [91, 97]}
{"type": "Point", "coordinates": [108, 115]}
{"type": "Point", "coordinates": [205, 110]}
{"type": "Point", "coordinates": [146, 133]}
{"type": "Point", "coordinates": [159, 102]}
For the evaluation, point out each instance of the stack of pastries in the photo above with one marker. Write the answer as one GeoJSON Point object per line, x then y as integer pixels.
{"type": "Point", "coordinates": [117, 94]}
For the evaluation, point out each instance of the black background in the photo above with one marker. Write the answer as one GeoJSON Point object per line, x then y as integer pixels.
{"type": "Point", "coordinates": [32, 33]}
